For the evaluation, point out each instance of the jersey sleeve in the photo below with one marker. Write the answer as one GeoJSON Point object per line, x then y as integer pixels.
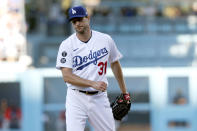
{"type": "Point", "coordinates": [64, 56]}
{"type": "Point", "coordinates": [114, 52]}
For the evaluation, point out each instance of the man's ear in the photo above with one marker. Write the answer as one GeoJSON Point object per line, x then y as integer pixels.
{"type": "Point", "coordinates": [88, 17]}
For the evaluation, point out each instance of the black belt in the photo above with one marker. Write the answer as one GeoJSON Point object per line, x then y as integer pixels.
{"type": "Point", "coordinates": [87, 92]}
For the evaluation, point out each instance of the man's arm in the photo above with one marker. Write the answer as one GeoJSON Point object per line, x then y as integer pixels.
{"type": "Point", "coordinates": [73, 79]}
{"type": "Point", "coordinates": [117, 70]}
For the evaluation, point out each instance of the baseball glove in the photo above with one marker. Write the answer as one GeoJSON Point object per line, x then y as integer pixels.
{"type": "Point", "coordinates": [121, 106]}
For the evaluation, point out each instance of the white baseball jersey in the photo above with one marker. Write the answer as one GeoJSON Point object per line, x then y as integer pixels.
{"type": "Point", "coordinates": [88, 60]}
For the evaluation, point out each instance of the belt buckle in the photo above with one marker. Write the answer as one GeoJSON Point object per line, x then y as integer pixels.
{"type": "Point", "coordinates": [87, 93]}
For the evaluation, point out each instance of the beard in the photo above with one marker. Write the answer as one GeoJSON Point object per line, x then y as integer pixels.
{"type": "Point", "coordinates": [81, 29]}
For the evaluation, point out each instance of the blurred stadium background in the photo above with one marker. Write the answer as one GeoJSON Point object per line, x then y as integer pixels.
{"type": "Point", "coordinates": [157, 38]}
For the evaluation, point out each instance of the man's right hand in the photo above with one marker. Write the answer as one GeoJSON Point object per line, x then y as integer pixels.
{"type": "Point", "coordinates": [99, 85]}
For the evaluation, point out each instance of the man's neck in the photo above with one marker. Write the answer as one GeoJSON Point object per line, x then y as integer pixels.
{"type": "Point", "coordinates": [84, 36]}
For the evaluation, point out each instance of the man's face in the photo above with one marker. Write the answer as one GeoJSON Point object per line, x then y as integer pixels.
{"type": "Point", "coordinates": [80, 24]}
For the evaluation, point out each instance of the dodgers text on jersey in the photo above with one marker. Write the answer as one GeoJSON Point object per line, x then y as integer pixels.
{"type": "Point", "coordinates": [82, 61]}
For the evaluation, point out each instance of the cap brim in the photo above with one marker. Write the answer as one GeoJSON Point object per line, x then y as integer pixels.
{"type": "Point", "coordinates": [77, 16]}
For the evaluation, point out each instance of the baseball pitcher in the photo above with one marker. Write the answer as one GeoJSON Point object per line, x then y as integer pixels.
{"type": "Point", "coordinates": [83, 59]}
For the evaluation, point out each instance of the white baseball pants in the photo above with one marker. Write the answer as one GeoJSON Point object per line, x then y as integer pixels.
{"type": "Point", "coordinates": [94, 108]}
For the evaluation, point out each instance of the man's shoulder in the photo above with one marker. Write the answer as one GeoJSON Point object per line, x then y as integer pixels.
{"type": "Point", "coordinates": [68, 40]}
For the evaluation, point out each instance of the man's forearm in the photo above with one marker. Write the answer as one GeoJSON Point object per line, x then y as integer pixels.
{"type": "Point", "coordinates": [78, 81]}
{"type": "Point", "coordinates": [116, 68]}
{"type": "Point", "coordinates": [73, 79]}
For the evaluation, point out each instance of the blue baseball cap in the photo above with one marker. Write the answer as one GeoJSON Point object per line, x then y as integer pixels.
{"type": "Point", "coordinates": [76, 12]}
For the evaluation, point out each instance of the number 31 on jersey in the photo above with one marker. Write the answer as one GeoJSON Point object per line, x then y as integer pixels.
{"type": "Point", "coordinates": [103, 68]}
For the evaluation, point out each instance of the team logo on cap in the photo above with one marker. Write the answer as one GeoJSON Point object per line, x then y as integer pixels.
{"type": "Point", "coordinates": [74, 11]}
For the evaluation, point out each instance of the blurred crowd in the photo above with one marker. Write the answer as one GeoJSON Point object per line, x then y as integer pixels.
{"type": "Point", "coordinates": [167, 11]}
{"type": "Point", "coordinates": [12, 39]}
{"type": "Point", "coordinates": [10, 115]}
{"type": "Point", "coordinates": [52, 19]}
{"type": "Point", "coordinates": [55, 121]}
{"type": "Point", "coordinates": [56, 14]}
{"type": "Point", "coordinates": [43, 20]}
